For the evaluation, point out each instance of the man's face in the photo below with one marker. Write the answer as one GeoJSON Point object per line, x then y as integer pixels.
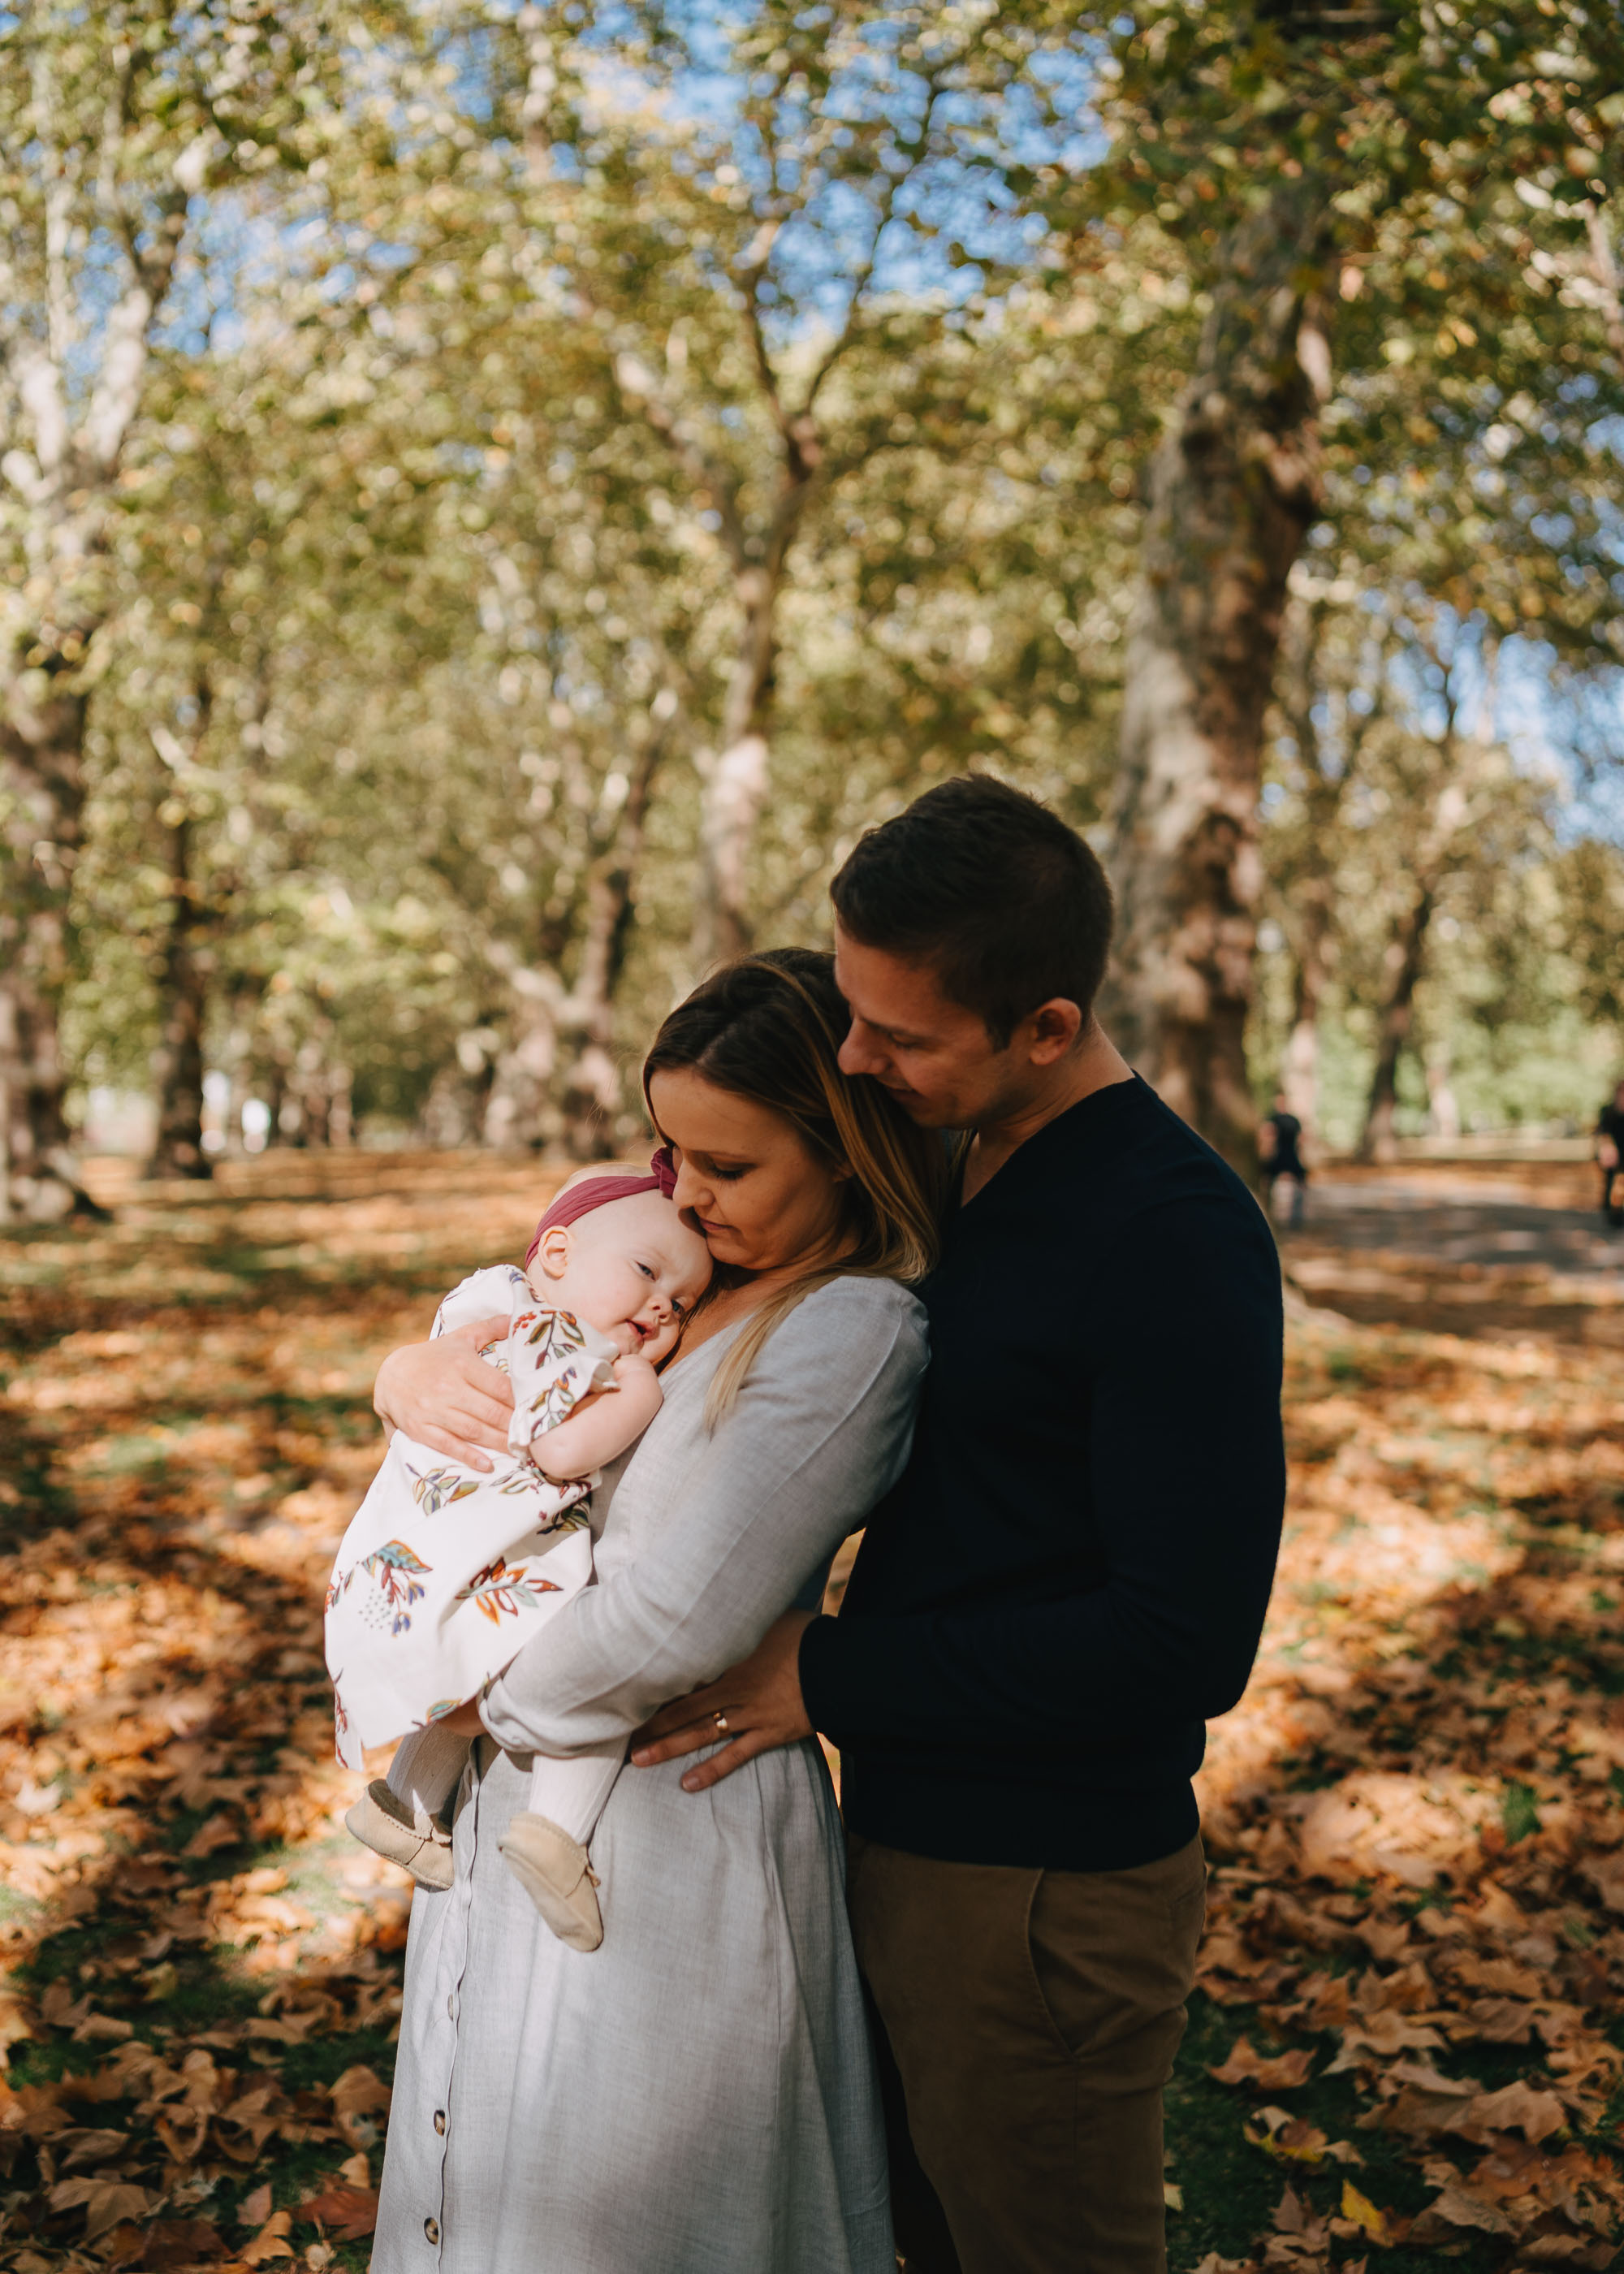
{"type": "Point", "coordinates": [935, 1058]}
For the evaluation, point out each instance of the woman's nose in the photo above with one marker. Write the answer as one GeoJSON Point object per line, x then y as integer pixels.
{"type": "Point", "coordinates": [687, 1188]}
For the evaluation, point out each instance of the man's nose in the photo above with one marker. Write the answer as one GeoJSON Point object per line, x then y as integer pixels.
{"type": "Point", "coordinates": [853, 1056]}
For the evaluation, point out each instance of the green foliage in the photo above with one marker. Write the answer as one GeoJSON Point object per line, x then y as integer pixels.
{"type": "Point", "coordinates": [520, 428]}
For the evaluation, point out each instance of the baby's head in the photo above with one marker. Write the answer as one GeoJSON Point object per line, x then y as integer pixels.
{"type": "Point", "coordinates": [613, 1250]}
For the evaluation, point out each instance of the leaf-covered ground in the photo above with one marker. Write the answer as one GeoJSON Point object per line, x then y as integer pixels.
{"type": "Point", "coordinates": [1406, 2044]}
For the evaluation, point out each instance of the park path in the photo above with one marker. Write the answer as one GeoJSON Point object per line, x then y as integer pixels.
{"type": "Point", "coordinates": [1461, 1251]}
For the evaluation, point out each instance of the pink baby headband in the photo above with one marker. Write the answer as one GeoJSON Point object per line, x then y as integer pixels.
{"type": "Point", "coordinates": [597, 1192]}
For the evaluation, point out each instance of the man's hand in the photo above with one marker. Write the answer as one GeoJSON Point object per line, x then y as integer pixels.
{"type": "Point", "coordinates": [759, 1702]}
{"type": "Point", "coordinates": [443, 1394]}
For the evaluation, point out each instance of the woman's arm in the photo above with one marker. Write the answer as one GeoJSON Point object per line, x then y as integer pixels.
{"type": "Point", "coordinates": [444, 1394]}
{"type": "Point", "coordinates": [818, 1435]}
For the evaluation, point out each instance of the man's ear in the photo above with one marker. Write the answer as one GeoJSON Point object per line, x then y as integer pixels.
{"type": "Point", "coordinates": [553, 1253]}
{"type": "Point", "coordinates": [1053, 1028]}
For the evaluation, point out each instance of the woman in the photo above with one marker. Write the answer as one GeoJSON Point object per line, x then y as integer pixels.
{"type": "Point", "coordinates": [696, 2097]}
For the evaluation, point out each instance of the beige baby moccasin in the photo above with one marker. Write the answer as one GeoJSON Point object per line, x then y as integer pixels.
{"type": "Point", "coordinates": [382, 1821]}
{"type": "Point", "coordinates": [555, 1873]}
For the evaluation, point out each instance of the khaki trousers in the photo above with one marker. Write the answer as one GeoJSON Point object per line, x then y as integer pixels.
{"type": "Point", "coordinates": [1028, 2023]}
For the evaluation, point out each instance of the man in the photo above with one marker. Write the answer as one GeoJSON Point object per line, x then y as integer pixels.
{"type": "Point", "coordinates": [1070, 1578]}
{"type": "Point", "coordinates": [1281, 1139]}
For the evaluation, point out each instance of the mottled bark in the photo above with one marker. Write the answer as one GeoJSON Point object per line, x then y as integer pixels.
{"type": "Point", "coordinates": [182, 1002]}
{"type": "Point", "coordinates": [736, 781]}
{"type": "Point", "coordinates": [592, 1090]}
{"type": "Point", "coordinates": [1232, 491]}
{"type": "Point", "coordinates": [1309, 888]}
{"type": "Point", "coordinates": [77, 397]}
{"type": "Point", "coordinates": [1402, 966]}
{"type": "Point", "coordinates": [41, 799]}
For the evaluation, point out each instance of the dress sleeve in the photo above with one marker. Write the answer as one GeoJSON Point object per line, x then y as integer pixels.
{"type": "Point", "coordinates": [819, 1432]}
{"type": "Point", "coordinates": [486, 1294]}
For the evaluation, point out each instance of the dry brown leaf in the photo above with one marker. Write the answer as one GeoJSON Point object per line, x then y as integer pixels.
{"type": "Point", "coordinates": [350, 2212]}
{"type": "Point", "coordinates": [255, 2208]}
{"type": "Point", "coordinates": [1514, 2108]}
{"type": "Point", "coordinates": [1459, 2205]}
{"type": "Point", "coordinates": [357, 2097]}
{"type": "Point", "coordinates": [171, 2243]}
{"type": "Point", "coordinates": [105, 2201]}
{"type": "Point", "coordinates": [271, 2242]}
{"type": "Point", "coordinates": [1276, 2072]}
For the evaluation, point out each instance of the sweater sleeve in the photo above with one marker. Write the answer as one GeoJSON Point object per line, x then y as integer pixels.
{"type": "Point", "coordinates": [819, 1431]}
{"type": "Point", "coordinates": [1186, 1472]}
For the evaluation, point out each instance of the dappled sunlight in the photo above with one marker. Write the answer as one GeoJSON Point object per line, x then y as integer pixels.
{"type": "Point", "coordinates": [1405, 2041]}
{"type": "Point", "coordinates": [203, 1967]}
{"type": "Point", "coordinates": [1417, 1819]}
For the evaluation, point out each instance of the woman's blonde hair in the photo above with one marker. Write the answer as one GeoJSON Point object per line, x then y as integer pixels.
{"type": "Point", "coordinates": [768, 1028]}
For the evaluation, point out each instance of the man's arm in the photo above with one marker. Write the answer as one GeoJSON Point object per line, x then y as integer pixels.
{"type": "Point", "coordinates": [1188, 1477]}
{"type": "Point", "coordinates": [1187, 1473]}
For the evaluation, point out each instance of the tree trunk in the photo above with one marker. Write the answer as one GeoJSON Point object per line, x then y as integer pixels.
{"type": "Point", "coordinates": [41, 784]}
{"type": "Point", "coordinates": [1300, 1070]}
{"type": "Point", "coordinates": [735, 783]}
{"type": "Point", "coordinates": [592, 1088]}
{"type": "Point", "coordinates": [1232, 491]}
{"type": "Point", "coordinates": [183, 995]}
{"type": "Point", "coordinates": [1405, 956]}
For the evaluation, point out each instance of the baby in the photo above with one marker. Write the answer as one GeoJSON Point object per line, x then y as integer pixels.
{"type": "Point", "coordinates": [446, 1571]}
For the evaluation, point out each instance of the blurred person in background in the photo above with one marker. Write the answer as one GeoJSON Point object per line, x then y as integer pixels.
{"type": "Point", "coordinates": [1280, 1138]}
{"type": "Point", "coordinates": [1610, 1155]}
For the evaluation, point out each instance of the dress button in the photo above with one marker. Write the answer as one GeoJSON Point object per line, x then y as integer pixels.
{"type": "Point", "coordinates": [439, 2122]}
{"type": "Point", "coordinates": [431, 2227]}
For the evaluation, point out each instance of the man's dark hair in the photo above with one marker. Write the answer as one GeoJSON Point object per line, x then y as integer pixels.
{"type": "Point", "coordinates": [1005, 903]}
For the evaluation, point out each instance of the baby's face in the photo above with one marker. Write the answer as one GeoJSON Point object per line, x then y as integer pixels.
{"type": "Point", "coordinates": [632, 1268]}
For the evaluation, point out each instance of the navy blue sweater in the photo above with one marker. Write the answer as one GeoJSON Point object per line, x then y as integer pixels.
{"type": "Point", "coordinates": [1070, 1578]}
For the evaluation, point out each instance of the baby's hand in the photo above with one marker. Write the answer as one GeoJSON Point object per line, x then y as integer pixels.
{"type": "Point", "coordinates": [603, 1426]}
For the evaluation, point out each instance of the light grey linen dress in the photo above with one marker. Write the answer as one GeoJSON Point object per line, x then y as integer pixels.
{"type": "Point", "coordinates": [696, 2097]}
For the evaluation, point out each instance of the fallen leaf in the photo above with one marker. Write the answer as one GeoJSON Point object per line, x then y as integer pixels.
{"type": "Point", "coordinates": [218, 1832]}
{"type": "Point", "coordinates": [271, 2242]}
{"type": "Point", "coordinates": [1514, 2108]}
{"type": "Point", "coordinates": [357, 2095]}
{"type": "Point", "coordinates": [105, 2201]}
{"type": "Point", "coordinates": [1278, 2073]}
{"type": "Point", "coordinates": [254, 2210]}
{"type": "Point", "coordinates": [1364, 2214]}
{"type": "Point", "coordinates": [171, 2243]}
{"type": "Point", "coordinates": [1458, 2205]}
{"type": "Point", "coordinates": [351, 2212]}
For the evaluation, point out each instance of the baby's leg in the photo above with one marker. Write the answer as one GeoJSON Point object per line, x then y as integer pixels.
{"type": "Point", "coordinates": [406, 1817]}
{"type": "Point", "coordinates": [426, 1770]}
{"type": "Point", "coordinates": [546, 1844]}
{"type": "Point", "coordinates": [572, 1793]}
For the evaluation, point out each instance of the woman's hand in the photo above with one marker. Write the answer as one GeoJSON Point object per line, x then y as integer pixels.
{"type": "Point", "coordinates": [443, 1394]}
{"type": "Point", "coordinates": [756, 1705]}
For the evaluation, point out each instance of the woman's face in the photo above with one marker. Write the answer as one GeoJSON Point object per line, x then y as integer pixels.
{"type": "Point", "coordinates": [762, 1199]}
